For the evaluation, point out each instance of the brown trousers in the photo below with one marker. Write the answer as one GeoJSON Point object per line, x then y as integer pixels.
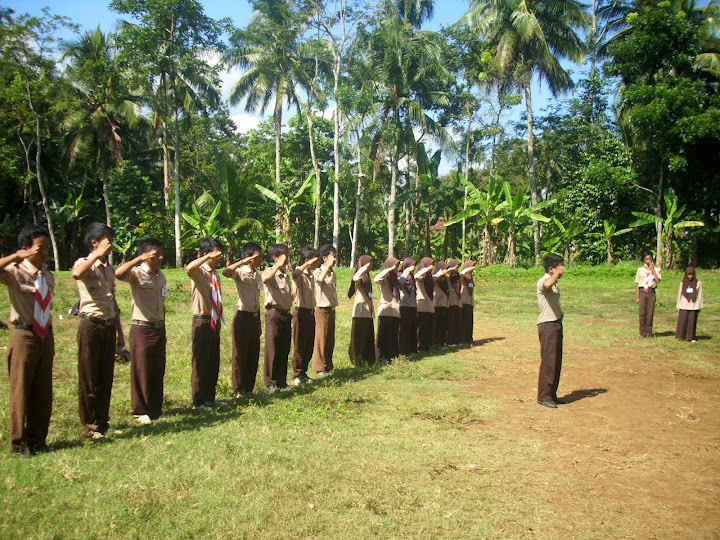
{"type": "Point", "coordinates": [407, 334]}
{"type": "Point", "coordinates": [303, 341]}
{"type": "Point", "coordinates": [30, 363]}
{"type": "Point", "coordinates": [551, 345]}
{"type": "Point", "coordinates": [245, 350]}
{"type": "Point", "coordinates": [646, 309]}
{"type": "Point", "coordinates": [454, 325]}
{"type": "Point", "coordinates": [687, 324]}
{"type": "Point", "coordinates": [96, 370]}
{"type": "Point", "coordinates": [324, 339]}
{"type": "Point", "coordinates": [205, 361]}
{"type": "Point", "coordinates": [147, 370]}
{"type": "Point", "coordinates": [386, 347]}
{"type": "Point", "coordinates": [440, 322]}
{"type": "Point", "coordinates": [425, 330]}
{"type": "Point", "coordinates": [362, 341]}
{"type": "Point", "coordinates": [278, 334]}
{"type": "Point", "coordinates": [467, 323]}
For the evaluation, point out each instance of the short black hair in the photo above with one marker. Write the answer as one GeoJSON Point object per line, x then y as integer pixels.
{"type": "Point", "coordinates": [645, 254]}
{"type": "Point", "coordinates": [30, 233]}
{"type": "Point", "coordinates": [208, 244]}
{"type": "Point", "coordinates": [97, 231]}
{"type": "Point", "coordinates": [308, 252]}
{"type": "Point", "coordinates": [551, 260]}
{"type": "Point", "coordinates": [326, 249]}
{"type": "Point", "coordinates": [148, 244]}
{"type": "Point", "coordinates": [250, 248]}
{"type": "Point", "coordinates": [277, 249]}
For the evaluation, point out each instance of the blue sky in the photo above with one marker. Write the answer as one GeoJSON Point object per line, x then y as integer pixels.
{"type": "Point", "coordinates": [90, 14]}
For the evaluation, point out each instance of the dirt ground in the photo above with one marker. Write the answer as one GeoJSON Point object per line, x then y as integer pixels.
{"type": "Point", "coordinates": [633, 453]}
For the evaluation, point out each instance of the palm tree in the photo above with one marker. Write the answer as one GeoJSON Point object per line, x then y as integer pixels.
{"type": "Point", "coordinates": [530, 38]}
{"type": "Point", "coordinates": [266, 51]}
{"type": "Point", "coordinates": [106, 106]}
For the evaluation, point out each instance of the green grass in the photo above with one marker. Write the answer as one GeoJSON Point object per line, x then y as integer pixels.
{"type": "Point", "coordinates": [379, 452]}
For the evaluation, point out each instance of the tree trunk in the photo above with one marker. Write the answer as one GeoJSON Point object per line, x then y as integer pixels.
{"type": "Point", "coordinates": [610, 252]}
{"type": "Point", "coordinates": [358, 201]}
{"type": "Point", "coordinates": [336, 152]}
{"type": "Point", "coordinates": [318, 180]}
{"type": "Point", "coordinates": [280, 224]}
{"type": "Point", "coordinates": [467, 177]}
{"type": "Point", "coordinates": [176, 174]}
{"type": "Point", "coordinates": [531, 169]}
{"type": "Point", "coordinates": [659, 223]}
{"type": "Point", "coordinates": [164, 134]}
{"type": "Point", "coordinates": [391, 202]}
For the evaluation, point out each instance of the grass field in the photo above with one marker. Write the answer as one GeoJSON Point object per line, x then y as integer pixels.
{"type": "Point", "coordinates": [443, 445]}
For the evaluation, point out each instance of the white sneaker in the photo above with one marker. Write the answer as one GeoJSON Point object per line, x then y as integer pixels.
{"type": "Point", "coordinates": [273, 389]}
{"type": "Point", "coordinates": [203, 408]}
{"type": "Point", "coordinates": [322, 374]}
{"type": "Point", "coordinates": [95, 435]}
{"type": "Point", "coordinates": [297, 381]}
{"type": "Point", "coordinates": [144, 419]}
{"type": "Point", "coordinates": [220, 403]}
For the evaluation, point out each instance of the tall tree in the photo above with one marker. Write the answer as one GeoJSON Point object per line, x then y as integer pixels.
{"type": "Point", "coordinates": [169, 49]}
{"type": "Point", "coordinates": [530, 38]}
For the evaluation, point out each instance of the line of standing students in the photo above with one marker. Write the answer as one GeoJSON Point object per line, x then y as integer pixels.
{"type": "Point", "coordinates": [420, 306]}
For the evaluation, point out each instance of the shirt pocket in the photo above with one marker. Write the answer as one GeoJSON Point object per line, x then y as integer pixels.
{"type": "Point", "coordinates": [146, 284]}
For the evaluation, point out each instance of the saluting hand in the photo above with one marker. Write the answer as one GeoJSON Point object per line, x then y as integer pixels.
{"type": "Point", "coordinates": [25, 253]}
{"type": "Point", "coordinates": [330, 260]}
{"type": "Point", "coordinates": [103, 248]}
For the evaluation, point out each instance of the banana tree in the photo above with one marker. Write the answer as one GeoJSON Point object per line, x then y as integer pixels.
{"type": "Point", "coordinates": [201, 226]}
{"type": "Point", "coordinates": [287, 202]}
{"type": "Point", "coordinates": [610, 231]}
{"type": "Point", "coordinates": [564, 240]}
{"type": "Point", "coordinates": [669, 226]}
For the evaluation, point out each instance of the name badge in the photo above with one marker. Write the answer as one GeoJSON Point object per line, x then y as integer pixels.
{"type": "Point", "coordinates": [164, 292]}
{"type": "Point", "coordinates": [471, 285]}
{"type": "Point", "coordinates": [370, 296]}
{"type": "Point", "coordinates": [260, 286]}
{"type": "Point", "coordinates": [689, 290]}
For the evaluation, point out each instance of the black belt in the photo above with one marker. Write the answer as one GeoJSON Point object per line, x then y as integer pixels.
{"type": "Point", "coordinates": [202, 317]}
{"type": "Point", "coordinates": [253, 313]}
{"type": "Point", "coordinates": [326, 307]}
{"type": "Point", "coordinates": [305, 310]}
{"type": "Point", "coordinates": [649, 289]}
{"type": "Point", "coordinates": [24, 327]}
{"type": "Point", "coordinates": [98, 320]}
{"type": "Point", "coordinates": [279, 310]}
{"type": "Point", "coordinates": [156, 324]}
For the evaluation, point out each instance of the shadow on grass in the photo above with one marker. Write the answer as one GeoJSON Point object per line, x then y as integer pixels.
{"type": "Point", "coordinates": [485, 341]}
{"type": "Point", "coordinates": [577, 395]}
{"type": "Point", "coordinates": [664, 334]}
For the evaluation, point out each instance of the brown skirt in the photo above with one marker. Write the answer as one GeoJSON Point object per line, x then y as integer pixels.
{"type": "Point", "coordinates": [425, 330]}
{"type": "Point", "coordinates": [454, 329]}
{"type": "Point", "coordinates": [386, 347]}
{"type": "Point", "coordinates": [362, 341]}
{"type": "Point", "coordinates": [407, 340]}
{"type": "Point", "coordinates": [440, 322]}
{"type": "Point", "coordinates": [467, 323]}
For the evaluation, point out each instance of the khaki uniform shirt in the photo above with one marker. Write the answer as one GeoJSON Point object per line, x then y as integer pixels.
{"type": "Point", "coordinates": [640, 277]}
{"type": "Point", "coordinates": [440, 299]}
{"type": "Point", "coordinates": [248, 286]}
{"type": "Point", "coordinates": [201, 289]}
{"type": "Point", "coordinates": [148, 292]}
{"type": "Point", "coordinates": [548, 302]}
{"type": "Point", "coordinates": [466, 292]}
{"type": "Point", "coordinates": [424, 302]}
{"type": "Point", "coordinates": [277, 289]}
{"type": "Point", "coordinates": [388, 306]}
{"type": "Point", "coordinates": [304, 293]}
{"type": "Point", "coordinates": [97, 290]}
{"type": "Point", "coordinates": [684, 303]}
{"type": "Point", "coordinates": [363, 307]}
{"type": "Point", "coordinates": [326, 291]}
{"type": "Point", "coordinates": [20, 281]}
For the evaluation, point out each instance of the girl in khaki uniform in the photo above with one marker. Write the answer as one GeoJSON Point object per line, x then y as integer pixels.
{"type": "Point", "coordinates": [425, 309]}
{"type": "Point", "coordinates": [388, 311]}
{"type": "Point", "coordinates": [689, 303]}
{"type": "Point", "coordinates": [362, 333]}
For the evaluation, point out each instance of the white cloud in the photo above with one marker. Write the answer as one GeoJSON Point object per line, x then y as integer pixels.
{"type": "Point", "coordinates": [245, 122]}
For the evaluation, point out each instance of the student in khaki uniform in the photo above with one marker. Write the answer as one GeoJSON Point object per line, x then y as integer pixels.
{"type": "Point", "coordinates": [407, 334]}
{"type": "Point", "coordinates": [99, 330]}
{"type": "Point", "coordinates": [454, 329]}
{"type": "Point", "coordinates": [362, 333]}
{"type": "Point", "coordinates": [387, 344]}
{"type": "Point", "coordinates": [689, 303]}
{"type": "Point", "coordinates": [550, 331]}
{"type": "Point", "coordinates": [278, 321]}
{"type": "Point", "coordinates": [206, 302]}
{"type": "Point", "coordinates": [304, 317]}
{"type": "Point", "coordinates": [32, 345]}
{"type": "Point", "coordinates": [647, 278]}
{"type": "Point", "coordinates": [425, 309]}
{"type": "Point", "coordinates": [246, 324]}
{"type": "Point", "coordinates": [326, 300]}
{"type": "Point", "coordinates": [440, 304]}
{"type": "Point", "coordinates": [467, 301]}
{"type": "Point", "coordinates": [148, 292]}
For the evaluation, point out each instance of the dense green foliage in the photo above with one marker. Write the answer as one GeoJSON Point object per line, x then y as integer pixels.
{"type": "Point", "coordinates": [127, 126]}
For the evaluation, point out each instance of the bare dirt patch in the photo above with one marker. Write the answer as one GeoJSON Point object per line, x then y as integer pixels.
{"type": "Point", "coordinates": [633, 453]}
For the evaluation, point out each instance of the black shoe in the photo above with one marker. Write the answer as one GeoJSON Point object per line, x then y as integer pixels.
{"type": "Point", "coordinates": [550, 404]}
{"type": "Point", "coordinates": [560, 401]}
{"type": "Point", "coordinates": [22, 454]}
{"type": "Point", "coordinates": [40, 449]}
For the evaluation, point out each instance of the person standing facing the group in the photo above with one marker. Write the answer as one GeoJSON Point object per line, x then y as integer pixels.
{"type": "Point", "coordinates": [303, 320]}
{"type": "Point", "coordinates": [99, 330]}
{"type": "Point", "coordinates": [148, 292]}
{"type": "Point", "coordinates": [246, 324]}
{"type": "Point", "coordinates": [362, 334]}
{"type": "Point", "coordinates": [689, 303]}
{"type": "Point", "coordinates": [278, 321]}
{"type": "Point", "coordinates": [32, 344]}
{"type": "Point", "coordinates": [206, 303]}
{"type": "Point", "coordinates": [425, 309]}
{"type": "Point", "coordinates": [407, 339]}
{"type": "Point", "coordinates": [326, 300]}
{"type": "Point", "coordinates": [550, 331]}
{"type": "Point", "coordinates": [467, 301]}
{"type": "Point", "coordinates": [388, 311]}
{"type": "Point", "coordinates": [647, 278]}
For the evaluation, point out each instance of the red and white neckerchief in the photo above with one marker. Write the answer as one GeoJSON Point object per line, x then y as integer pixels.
{"type": "Point", "coordinates": [649, 279]}
{"type": "Point", "coordinates": [216, 301]}
{"type": "Point", "coordinates": [43, 299]}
